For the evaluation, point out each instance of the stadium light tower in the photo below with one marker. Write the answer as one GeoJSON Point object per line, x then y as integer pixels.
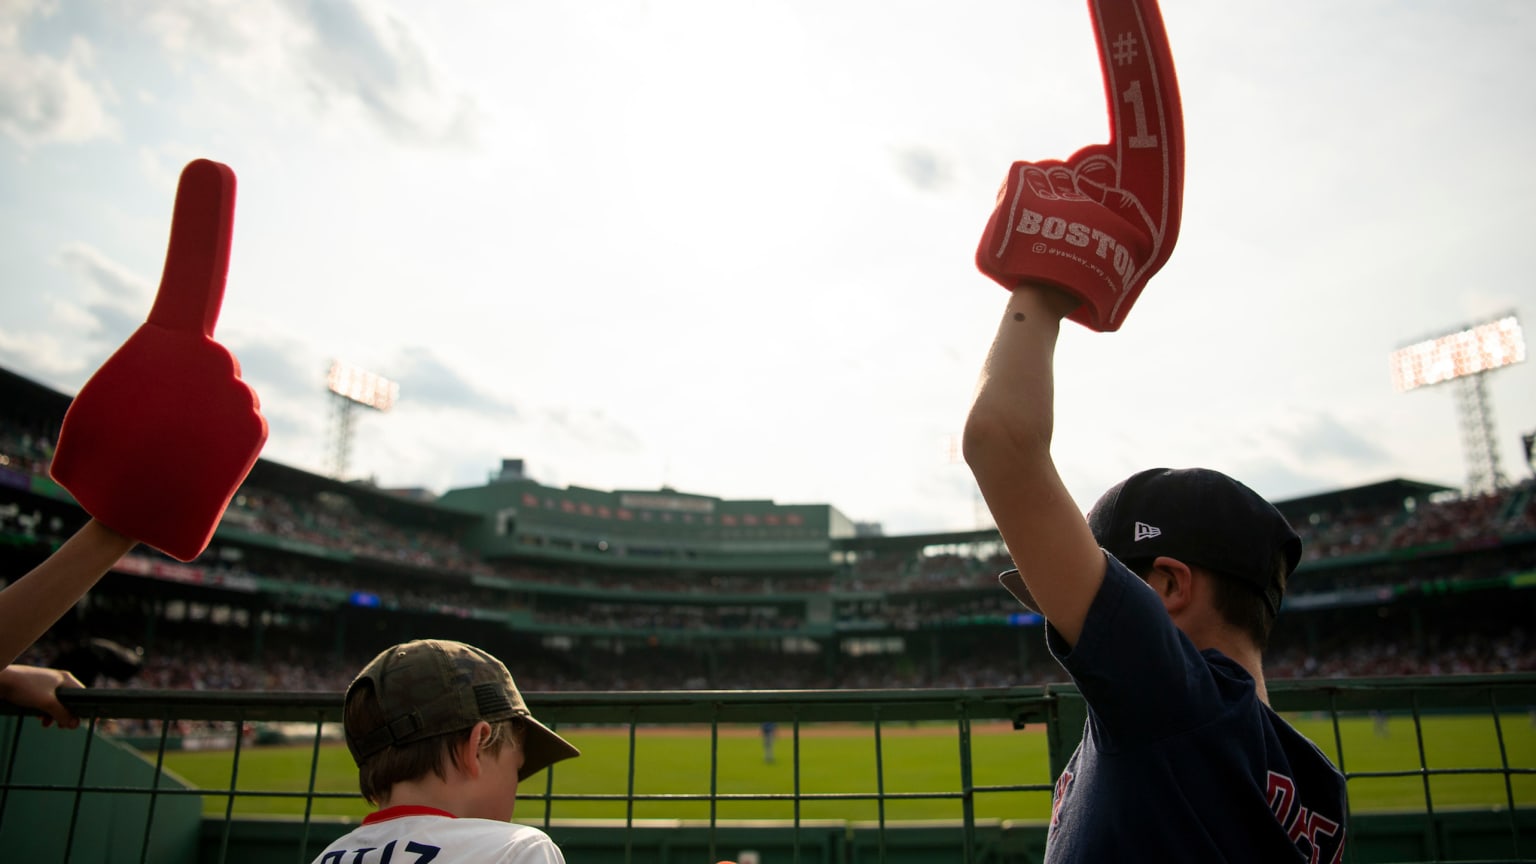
{"type": "Point", "coordinates": [1466, 356]}
{"type": "Point", "coordinates": [351, 387]}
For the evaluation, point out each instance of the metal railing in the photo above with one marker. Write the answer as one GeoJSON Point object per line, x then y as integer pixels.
{"type": "Point", "coordinates": [1345, 718]}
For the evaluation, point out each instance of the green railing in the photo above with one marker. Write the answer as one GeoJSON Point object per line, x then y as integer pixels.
{"type": "Point", "coordinates": [1439, 769]}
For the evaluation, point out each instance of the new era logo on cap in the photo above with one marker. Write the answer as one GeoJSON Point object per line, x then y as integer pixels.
{"type": "Point", "coordinates": [1202, 518]}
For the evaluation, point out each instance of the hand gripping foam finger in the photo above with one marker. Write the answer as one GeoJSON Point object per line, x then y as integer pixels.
{"type": "Point", "coordinates": [1102, 223]}
{"type": "Point", "coordinates": [161, 436]}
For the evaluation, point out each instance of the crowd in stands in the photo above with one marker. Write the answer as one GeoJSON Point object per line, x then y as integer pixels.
{"type": "Point", "coordinates": [1387, 578]}
{"type": "Point", "coordinates": [181, 666]}
{"type": "Point", "coordinates": [1357, 654]}
{"type": "Point", "coordinates": [196, 666]}
{"type": "Point", "coordinates": [17, 521]}
{"type": "Point", "coordinates": [392, 590]}
{"type": "Point", "coordinates": [24, 449]}
{"type": "Point", "coordinates": [669, 618]}
{"type": "Point", "coordinates": [333, 521]}
{"type": "Point", "coordinates": [1463, 521]}
{"type": "Point", "coordinates": [430, 571]}
{"type": "Point", "coordinates": [1346, 534]}
{"type": "Point", "coordinates": [912, 613]}
{"type": "Point", "coordinates": [714, 584]}
{"type": "Point", "coordinates": [1485, 517]}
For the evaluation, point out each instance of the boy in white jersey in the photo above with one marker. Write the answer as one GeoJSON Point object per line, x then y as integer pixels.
{"type": "Point", "coordinates": [441, 738]}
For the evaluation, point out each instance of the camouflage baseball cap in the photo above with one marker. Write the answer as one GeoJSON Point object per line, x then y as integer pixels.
{"type": "Point", "coordinates": [431, 687]}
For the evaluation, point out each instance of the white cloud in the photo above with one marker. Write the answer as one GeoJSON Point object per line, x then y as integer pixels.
{"type": "Point", "coordinates": [47, 99]}
{"type": "Point", "coordinates": [86, 321]}
{"type": "Point", "coordinates": [39, 354]}
{"type": "Point", "coordinates": [117, 300]}
{"type": "Point", "coordinates": [341, 60]}
{"type": "Point", "coordinates": [731, 249]}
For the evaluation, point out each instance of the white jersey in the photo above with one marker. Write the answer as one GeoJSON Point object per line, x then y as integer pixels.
{"type": "Point", "coordinates": [418, 835]}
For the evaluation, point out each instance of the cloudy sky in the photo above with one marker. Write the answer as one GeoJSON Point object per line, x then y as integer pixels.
{"type": "Point", "coordinates": [728, 247]}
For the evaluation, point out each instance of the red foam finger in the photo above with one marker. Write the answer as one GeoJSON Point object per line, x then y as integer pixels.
{"type": "Point", "coordinates": [1101, 223]}
{"type": "Point", "coordinates": [1146, 118]}
{"type": "Point", "coordinates": [160, 438]}
{"type": "Point", "coordinates": [1037, 179]}
{"type": "Point", "coordinates": [197, 260]}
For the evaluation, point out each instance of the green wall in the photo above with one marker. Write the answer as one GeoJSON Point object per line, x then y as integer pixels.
{"type": "Point", "coordinates": [109, 826]}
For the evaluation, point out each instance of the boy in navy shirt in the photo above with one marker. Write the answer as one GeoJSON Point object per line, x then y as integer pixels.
{"type": "Point", "coordinates": [1159, 605]}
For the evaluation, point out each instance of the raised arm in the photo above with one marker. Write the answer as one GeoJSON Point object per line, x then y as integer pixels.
{"type": "Point", "coordinates": [158, 440]}
{"type": "Point", "coordinates": [30, 605]}
{"type": "Point", "coordinates": [1075, 238]}
{"type": "Point", "coordinates": [1008, 447]}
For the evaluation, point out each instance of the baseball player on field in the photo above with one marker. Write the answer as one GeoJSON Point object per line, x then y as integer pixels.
{"type": "Point", "coordinates": [442, 738]}
{"type": "Point", "coordinates": [1160, 603]}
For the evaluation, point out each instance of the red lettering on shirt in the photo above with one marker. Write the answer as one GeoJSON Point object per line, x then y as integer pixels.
{"type": "Point", "coordinates": [1282, 796]}
{"type": "Point", "coordinates": [1301, 824]}
{"type": "Point", "coordinates": [1062, 783]}
{"type": "Point", "coordinates": [1321, 826]}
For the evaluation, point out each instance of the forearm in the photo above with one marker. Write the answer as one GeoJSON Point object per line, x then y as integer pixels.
{"type": "Point", "coordinates": [30, 605]}
{"type": "Point", "coordinates": [10, 681]}
{"type": "Point", "coordinates": [1012, 416]}
{"type": "Point", "coordinates": [1008, 447]}
{"type": "Point", "coordinates": [38, 688]}
{"type": "Point", "coordinates": [14, 681]}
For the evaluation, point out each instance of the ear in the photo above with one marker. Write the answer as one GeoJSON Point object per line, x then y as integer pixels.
{"type": "Point", "coordinates": [471, 749]}
{"type": "Point", "coordinates": [1174, 582]}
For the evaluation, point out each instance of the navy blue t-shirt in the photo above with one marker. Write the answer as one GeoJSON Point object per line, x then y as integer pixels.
{"type": "Point", "coordinates": [1180, 761]}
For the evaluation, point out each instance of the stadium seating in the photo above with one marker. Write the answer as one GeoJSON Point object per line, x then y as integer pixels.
{"type": "Point", "coordinates": [308, 576]}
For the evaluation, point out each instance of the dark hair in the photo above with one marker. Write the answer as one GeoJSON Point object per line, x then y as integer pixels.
{"type": "Point", "coordinates": [1234, 599]}
{"type": "Point", "coordinates": [377, 774]}
{"type": "Point", "coordinates": [1243, 607]}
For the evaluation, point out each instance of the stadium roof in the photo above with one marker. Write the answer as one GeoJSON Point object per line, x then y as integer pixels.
{"type": "Point", "coordinates": [22, 395]}
{"type": "Point", "coordinates": [1387, 493]}
{"type": "Point", "coordinates": [367, 498]}
{"type": "Point", "coordinates": [901, 543]}
{"type": "Point", "coordinates": [19, 393]}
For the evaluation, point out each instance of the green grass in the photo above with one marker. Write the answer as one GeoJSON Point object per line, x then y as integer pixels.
{"type": "Point", "coordinates": [1448, 743]}
{"type": "Point", "coordinates": [920, 759]}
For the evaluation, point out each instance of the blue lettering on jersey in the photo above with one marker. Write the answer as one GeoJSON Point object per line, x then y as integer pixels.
{"type": "Point", "coordinates": [423, 852]}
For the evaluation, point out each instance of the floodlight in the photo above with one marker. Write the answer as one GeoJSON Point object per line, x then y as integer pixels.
{"type": "Point", "coordinates": [364, 388]}
{"type": "Point", "coordinates": [1466, 356]}
{"type": "Point", "coordinates": [351, 387]}
{"type": "Point", "coordinates": [1471, 351]}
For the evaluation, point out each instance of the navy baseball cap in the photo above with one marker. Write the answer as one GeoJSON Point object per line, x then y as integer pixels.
{"type": "Point", "coordinates": [1198, 516]}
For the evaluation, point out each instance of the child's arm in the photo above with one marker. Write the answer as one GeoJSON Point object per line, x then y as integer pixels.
{"type": "Point", "coordinates": [35, 687]}
{"type": "Point", "coordinates": [1079, 237]}
{"type": "Point", "coordinates": [30, 605]}
{"type": "Point", "coordinates": [159, 461]}
{"type": "Point", "coordinates": [1008, 446]}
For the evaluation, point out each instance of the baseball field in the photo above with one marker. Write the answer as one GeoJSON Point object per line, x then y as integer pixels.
{"type": "Point", "coordinates": [840, 759]}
